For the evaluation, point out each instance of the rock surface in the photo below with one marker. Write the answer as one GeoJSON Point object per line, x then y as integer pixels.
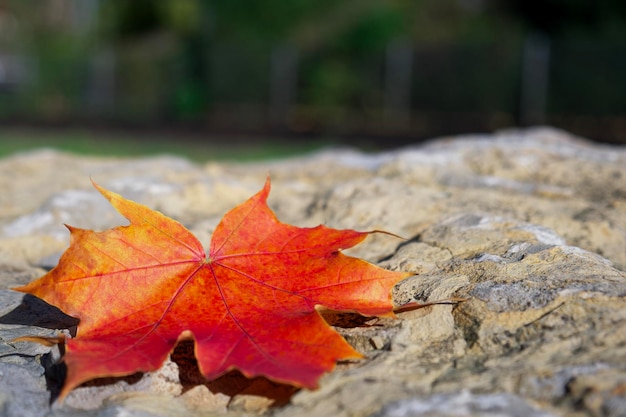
{"type": "Point", "coordinates": [529, 226]}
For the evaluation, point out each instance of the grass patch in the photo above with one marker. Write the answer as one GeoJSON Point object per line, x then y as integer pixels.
{"type": "Point", "coordinates": [196, 148]}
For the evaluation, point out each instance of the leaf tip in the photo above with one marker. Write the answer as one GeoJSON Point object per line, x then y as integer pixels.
{"type": "Point", "coordinates": [100, 189]}
{"type": "Point", "coordinates": [268, 184]}
{"type": "Point", "coordinates": [265, 191]}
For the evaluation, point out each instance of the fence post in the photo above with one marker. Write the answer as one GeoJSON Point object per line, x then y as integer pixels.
{"type": "Point", "coordinates": [535, 79]}
{"type": "Point", "coordinates": [283, 83]}
{"type": "Point", "coordinates": [100, 90]}
{"type": "Point", "coordinates": [397, 95]}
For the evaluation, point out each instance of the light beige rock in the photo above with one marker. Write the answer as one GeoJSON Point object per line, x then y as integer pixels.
{"type": "Point", "coordinates": [528, 226]}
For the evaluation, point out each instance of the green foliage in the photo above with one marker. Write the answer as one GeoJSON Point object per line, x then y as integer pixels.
{"type": "Point", "coordinates": [180, 59]}
{"type": "Point", "coordinates": [121, 19]}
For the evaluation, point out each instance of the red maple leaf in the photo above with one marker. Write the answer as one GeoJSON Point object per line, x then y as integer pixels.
{"type": "Point", "coordinates": [251, 304]}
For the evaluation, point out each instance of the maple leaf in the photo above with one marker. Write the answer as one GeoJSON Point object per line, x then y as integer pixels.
{"type": "Point", "coordinates": [251, 304]}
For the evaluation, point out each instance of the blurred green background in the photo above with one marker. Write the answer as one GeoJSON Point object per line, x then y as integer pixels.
{"type": "Point", "coordinates": [278, 75]}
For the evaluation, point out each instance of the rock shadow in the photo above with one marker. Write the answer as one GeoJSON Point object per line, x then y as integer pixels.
{"type": "Point", "coordinates": [232, 383]}
{"type": "Point", "coordinates": [33, 311]}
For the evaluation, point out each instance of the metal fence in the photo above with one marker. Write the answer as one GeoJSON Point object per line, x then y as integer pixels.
{"type": "Point", "coordinates": [405, 89]}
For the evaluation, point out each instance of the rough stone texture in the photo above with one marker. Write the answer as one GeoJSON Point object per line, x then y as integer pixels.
{"type": "Point", "coordinates": [529, 226]}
